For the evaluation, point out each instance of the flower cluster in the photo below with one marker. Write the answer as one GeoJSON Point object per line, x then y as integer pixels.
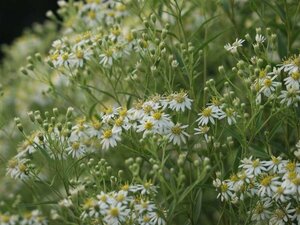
{"type": "Point", "coordinates": [29, 218]}
{"type": "Point", "coordinates": [132, 203]}
{"type": "Point", "coordinates": [274, 185]}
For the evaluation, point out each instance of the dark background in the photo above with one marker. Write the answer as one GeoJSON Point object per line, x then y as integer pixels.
{"type": "Point", "coordinates": [15, 15]}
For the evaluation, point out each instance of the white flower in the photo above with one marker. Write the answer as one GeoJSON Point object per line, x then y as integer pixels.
{"type": "Point", "coordinates": [76, 149]}
{"type": "Point", "coordinates": [180, 102]}
{"type": "Point", "coordinates": [107, 58]}
{"type": "Point", "coordinates": [233, 48]}
{"type": "Point", "coordinates": [261, 211]}
{"type": "Point", "coordinates": [109, 139]}
{"type": "Point", "coordinates": [290, 97]}
{"type": "Point", "coordinates": [202, 130]}
{"type": "Point", "coordinates": [282, 216]}
{"type": "Point", "coordinates": [230, 114]}
{"type": "Point", "coordinates": [207, 115]}
{"type": "Point", "coordinates": [292, 81]}
{"type": "Point", "coordinates": [259, 38]}
{"type": "Point", "coordinates": [147, 127]}
{"type": "Point", "coordinates": [267, 184]}
{"type": "Point", "coordinates": [268, 85]}
{"type": "Point", "coordinates": [155, 218]}
{"type": "Point", "coordinates": [144, 206]}
{"type": "Point", "coordinates": [291, 65]}
{"type": "Point", "coordinates": [176, 134]}
{"type": "Point", "coordinates": [18, 169]}
{"type": "Point", "coordinates": [78, 57]}
{"type": "Point", "coordinates": [116, 214]}
{"type": "Point", "coordinates": [252, 167]}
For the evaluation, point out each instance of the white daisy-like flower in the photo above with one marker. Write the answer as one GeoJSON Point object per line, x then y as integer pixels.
{"type": "Point", "coordinates": [291, 65]}
{"type": "Point", "coordinates": [76, 149]}
{"type": "Point", "coordinates": [109, 139]}
{"type": "Point", "coordinates": [268, 85]}
{"type": "Point", "coordinates": [261, 211]}
{"type": "Point", "coordinates": [180, 102]}
{"type": "Point", "coordinates": [293, 80]}
{"type": "Point", "coordinates": [116, 214]}
{"type": "Point", "coordinates": [233, 47]}
{"type": "Point", "coordinates": [95, 129]}
{"type": "Point", "coordinates": [259, 38]}
{"type": "Point", "coordinates": [202, 130]}
{"type": "Point", "coordinates": [228, 113]}
{"type": "Point", "coordinates": [252, 167]}
{"type": "Point", "coordinates": [107, 57]}
{"type": "Point", "coordinates": [282, 216]}
{"type": "Point", "coordinates": [18, 168]}
{"type": "Point", "coordinates": [274, 165]}
{"type": "Point", "coordinates": [144, 206]}
{"type": "Point", "coordinates": [78, 56]}
{"type": "Point", "coordinates": [145, 189]}
{"type": "Point", "coordinates": [63, 59]}
{"type": "Point", "coordinates": [177, 135]}
{"type": "Point", "coordinates": [156, 219]}
{"type": "Point", "coordinates": [267, 184]}
{"type": "Point", "coordinates": [290, 97]}
{"type": "Point", "coordinates": [147, 127]}
{"type": "Point", "coordinates": [161, 121]}
{"type": "Point", "coordinates": [109, 113]}
{"type": "Point", "coordinates": [208, 114]}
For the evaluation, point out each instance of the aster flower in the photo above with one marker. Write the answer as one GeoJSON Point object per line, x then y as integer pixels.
{"type": "Point", "coordinates": [292, 81]}
{"type": "Point", "coordinates": [109, 139]}
{"type": "Point", "coordinates": [233, 47]}
{"type": "Point", "coordinates": [290, 97]}
{"type": "Point", "coordinates": [259, 38]}
{"type": "Point", "coordinates": [180, 102]}
{"type": "Point", "coordinates": [116, 214]}
{"type": "Point", "coordinates": [208, 114]}
{"type": "Point", "coordinates": [176, 134]}
{"type": "Point", "coordinates": [76, 149]}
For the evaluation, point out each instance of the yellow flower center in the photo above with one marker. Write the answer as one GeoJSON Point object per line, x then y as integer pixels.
{"type": "Point", "coordinates": [148, 125]}
{"type": "Point", "coordinates": [22, 168]}
{"type": "Point", "coordinates": [75, 145]}
{"type": "Point", "coordinates": [92, 15]}
{"type": "Point", "coordinates": [224, 187]}
{"type": "Point", "coordinates": [12, 163]}
{"type": "Point", "coordinates": [279, 213]}
{"type": "Point", "coordinates": [207, 112]}
{"type": "Point", "coordinates": [275, 160]}
{"type": "Point", "coordinates": [65, 56]}
{"type": "Point", "coordinates": [266, 181]}
{"type": "Point", "coordinates": [103, 198]}
{"type": "Point", "coordinates": [234, 178]}
{"type": "Point", "coordinates": [97, 125]}
{"type": "Point", "coordinates": [268, 82]}
{"type": "Point", "coordinates": [256, 163]}
{"type": "Point", "coordinates": [259, 208]}
{"type": "Point", "coordinates": [229, 112]}
{"type": "Point", "coordinates": [89, 203]}
{"type": "Point", "coordinates": [146, 219]}
{"type": "Point", "coordinates": [119, 122]}
{"type": "Point", "coordinates": [176, 130]}
{"type": "Point", "coordinates": [79, 54]}
{"type": "Point", "coordinates": [291, 166]}
{"type": "Point", "coordinates": [180, 97]}
{"type": "Point", "coordinates": [107, 134]}
{"type": "Point", "coordinates": [120, 197]}
{"type": "Point", "coordinates": [125, 187]}
{"type": "Point", "coordinates": [296, 75]}
{"type": "Point", "coordinates": [114, 212]}
{"type": "Point", "coordinates": [262, 73]}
